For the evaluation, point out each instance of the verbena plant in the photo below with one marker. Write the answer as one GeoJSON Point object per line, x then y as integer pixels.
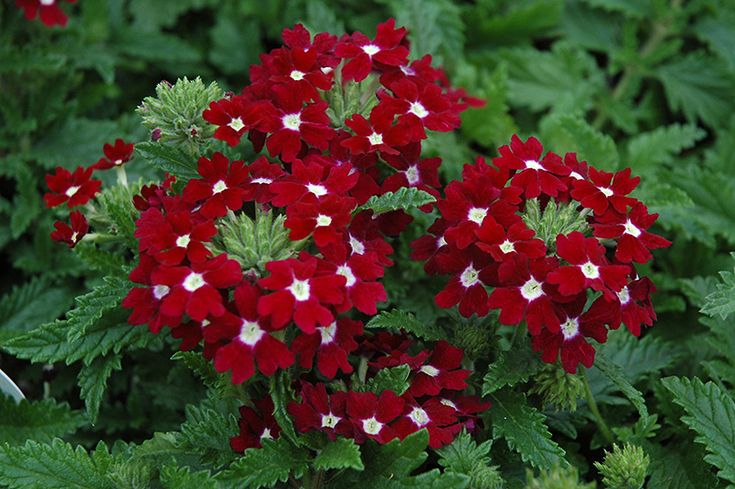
{"type": "Point", "coordinates": [350, 308]}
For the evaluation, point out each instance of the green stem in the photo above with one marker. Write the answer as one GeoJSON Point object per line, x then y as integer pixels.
{"type": "Point", "coordinates": [122, 176]}
{"type": "Point", "coordinates": [604, 429]}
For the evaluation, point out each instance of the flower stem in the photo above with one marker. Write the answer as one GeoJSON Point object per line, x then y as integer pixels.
{"type": "Point", "coordinates": [604, 429]}
{"type": "Point", "coordinates": [122, 176]}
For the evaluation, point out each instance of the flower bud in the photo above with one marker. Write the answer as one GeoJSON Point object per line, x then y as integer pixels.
{"type": "Point", "coordinates": [624, 468]}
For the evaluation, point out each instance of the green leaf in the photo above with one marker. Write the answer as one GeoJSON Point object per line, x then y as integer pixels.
{"type": "Point", "coordinates": [396, 320]}
{"type": "Point", "coordinates": [719, 32]}
{"type": "Point", "coordinates": [722, 301]}
{"type": "Point", "coordinates": [168, 158]}
{"type": "Point", "coordinates": [637, 9]}
{"type": "Point", "coordinates": [106, 262]}
{"type": "Point", "coordinates": [402, 199]}
{"type": "Point", "coordinates": [92, 381]}
{"type": "Point", "coordinates": [57, 465]}
{"type": "Point", "coordinates": [648, 150]}
{"type": "Point", "coordinates": [524, 430]}
{"type": "Point", "coordinates": [209, 427]}
{"type": "Point", "coordinates": [711, 414]}
{"type": "Point", "coordinates": [342, 453]}
{"type": "Point", "coordinates": [77, 141]}
{"type": "Point", "coordinates": [700, 87]}
{"type": "Point", "coordinates": [617, 377]}
{"type": "Point", "coordinates": [183, 478]}
{"type": "Point", "coordinates": [510, 23]}
{"type": "Point", "coordinates": [396, 459]}
{"type": "Point", "coordinates": [282, 394]}
{"type": "Point", "coordinates": [490, 125]}
{"type": "Point", "coordinates": [31, 304]}
{"type": "Point", "coordinates": [92, 305]}
{"type": "Point", "coordinates": [39, 420]}
{"type": "Point", "coordinates": [264, 467]}
{"type": "Point", "coordinates": [26, 203]}
{"type": "Point", "coordinates": [465, 456]}
{"type": "Point", "coordinates": [390, 379]}
{"type": "Point", "coordinates": [511, 368]}
{"type": "Point", "coordinates": [679, 466]}
{"type": "Point", "coordinates": [571, 133]}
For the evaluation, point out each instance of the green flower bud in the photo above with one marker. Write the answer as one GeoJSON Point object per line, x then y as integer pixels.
{"type": "Point", "coordinates": [555, 219]}
{"type": "Point", "coordinates": [558, 388]}
{"type": "Point", "coordinates": [624, 468]}
{"type": "Point", "coordinates": [556, 478]}
{"type": "Point", "coordinates": [484, 476]}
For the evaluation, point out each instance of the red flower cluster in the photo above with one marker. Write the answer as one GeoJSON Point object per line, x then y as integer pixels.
{"type": "Point", "coordinates": [48, 11]}
{"type": "Point", "coordinates": [496, 261]}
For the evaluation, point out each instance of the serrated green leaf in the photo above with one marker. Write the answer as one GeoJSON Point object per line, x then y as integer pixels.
{"type": "Point", "coordinates": [342, 453]}
{"type": "Point", "coordinates": [281, 393]}
{"type": "Point", "coordinates": [510, 368]}
{"type": "Point", "coordinates": [26, 203]}
{"type": "Point", "coordinates": [616, 376]}
{"type": "Point", "coordinates": [183, 478]}
{"type": "Point", "coordinates": [719, 32]}
{"type": "Point", "coordinates": [390, 379]}
{"type": "Point", "coordinates": [637, 9]}
{"type": "Point", "coordinates": [92, 305]}
{"type": "Point", "coordinates": [396, 320]}
{"type": "Point", "coordinates": [721, 302]}
{"type": "Point", "coordinates": [402, 199]}
{"type": "Point", "coordinates": [168, 158]}
{"type": "Point", "coordinates": [523, 428]}
{"type": "Point", "coordinates": [92, 381]}
{"type": "Point", "coordinates": [711, 414]}
{"type": "Point", "coordinates": [39, 420]}
{"type": "Point", "coordinates": [31, 304]}
{"type": "Point", "coordinates": [465, 456]}
{"type": "Point", "coordinates": [679, 467]}
{"type": "Point", "coordinates": [396, 459]}
{"type": "Point", "coordinates": [492, 124]}
{"type": "Point", "coordinates": [106, 262]}
{"type": "Point", "coordinates": [647, 150]}
{"type": "Point", "coordinates": [230, 30]}
{"type": "Point", "coordinates": [265, 467]}
{"type": "Point", "coordinates": [209, 427]}
{"type": "Point", "coordinates": [510, 23]}
{"type": "Point", "coordinates": [77, 142]}
{"type": "Point", "coordinates": [571, 133]}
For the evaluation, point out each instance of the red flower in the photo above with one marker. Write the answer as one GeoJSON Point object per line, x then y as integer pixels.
{"type": "Point", "coordinates": [234, 116]}
{"type": "Point", "coordinates": [605, 189]}
{"type": "Point", "coordinates": [501, 244]}
{"type": "Point", "coordinates": [386, 49]}
{"type": "Point", "coordinates": [303, 287]}
{"type": "Point", "coordinates": [326, 220]}
{"type": "Point", "coordinates": [634, 307]}
{"type": "Point", "coordinates": [318, 411]}
{"type": "Point", "coordinates": [361, 273]}
{"type": "Point", "coordinates": [299, 70]}
{"type": "Point", "coordinates": [441, 371]}
{"type": "Point", "coordinates": [465, 287]}
{"type": "Point", "coordinates": [413, 171]}
{"type": "Point", "coordinates": [535, 175]}
{"type": "Point", "coordinates": [116, 155]}
{"type": "Point", "coordinates": [437, 418]}
{"type": "Point", "coordinates": [364, 237]}
{"type": "Point", "coordinates": [153, 195]}
{"type": "Point", "coordinates": [430, 246]}
{"type": "Point", "coordinates": [569, 341]}
{"type": "Point", "coordinates": [73, 188]}
{"type": "Point", "coordinates": [314, 180]}
{"type": "Point", "coordinates": [48, 10]}
{"type": "Point", "coordinates": [221, 187]}
{"type": "Point", "coordinates": [292, 123]}
{"type": "Point", "coordinates": [422, 105]}
{"type": "Point", "coordinates": [261, 175]}
{"type": "Point", "coordinates": [174, 236]}
{"type": "Point", "coordinates": [255, 426]}
{"type": "Point", "coordinates": [249, 340]}
{"type": "Point", "coordinates": [146, 301]}
{"type": "Point", "coordinates": [331, 344]}
{"type": "Point", "coordinates": [377, 134]}
{"type": "Point", "coordinates": [524, 292]}
{"type": "Point", "coordinates": [193, 289]}
{"type": "Point", "coordinates": [630, 230]}
{"type": "Point", "coordinates": [371, 415]}
{"type": "Point", "coordinates": [71, 235]}
{"type": "Point", "coordinates": [588, 267]}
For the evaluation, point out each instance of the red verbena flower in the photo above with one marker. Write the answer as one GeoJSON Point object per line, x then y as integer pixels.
{"type": "Point", "coordinates": [371, 415]}
{"type": "Point", "coordinates": [361, 273]}
{"type": "Point", "coordinates": [256, 425]}
{"type": "Point", "coordinates": [324, 220]}
{"type": "Point", "coordinates": [377, 134]}
{"type": "Point", "coordinates": [47, 10]}
{"type": "Point", "coordinates": [174, 236]}
{"type": "Point", "coordinates": [438, 419]}
{"type": "Point", "coordinates": [73, 188]}
{"type": "Point", "coordinates": [221, 187]}
{"type": "Point", "coordinates": [441, 371]}
{"type": "Point", "coordinates": [71, 235]}
{"type": "Point", "coordinates": [319, 411]}
{"type": "Point", "coordinates": [362, 52]}
{"type": "Point", "coordinates": [630, 229]}
{"type": "Point", "coordinates": [115, 155]}
{"type": "Point", "coordinates": [533, 174]}
{"type": "Point", "coordinates": [331, 344]}
{"type": "Point", "coordinates": [605, 189]}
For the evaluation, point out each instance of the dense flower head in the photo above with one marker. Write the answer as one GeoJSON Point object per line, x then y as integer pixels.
{"type": "Point", "coordinates": [569, 281]}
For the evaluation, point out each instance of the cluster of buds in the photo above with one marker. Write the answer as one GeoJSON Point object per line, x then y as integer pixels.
{"type": "Point", "coordinates": [556, 242]}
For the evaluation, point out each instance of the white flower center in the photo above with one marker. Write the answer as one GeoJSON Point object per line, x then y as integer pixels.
{"type": "Point", "coordinates": [346, 272]}
{"type": "Point", "coordinates": [590, 270]}
{"type": "Point", "coordinates": [570, 328]}
{"type": "Point", "coordinates": [631, 229]}
{"type": "Point", "coordinates": [412, 175]}
{"type": "Point", "coordinates": [449, 403]}
{"type": "Point", "coordinates": [292, 121]}
{"type": "Point", "coordinates": [262, 181]}
{"type": "Point", "coordinates": [193, 281]}
{"type": "Point", "coordinates": [219, 186]}
{"type": "Point", "coordinates": [441, 241]}
{"type": "Point", "coordinates": [236, 124]}
{"type": "Point", "coordinates": [322, 220]}
{"type": "Point", "coordinates": [74, 236]}
{"type": "Point", "coordinates": [117, 162]}
{"type": "Point", "coordinates": [318, 190]}
{"type": "Point", "coordinates": [469, 277]}
{"type": "Point", "coordinates": [418, 110]}
{"type": "Point", "coordinates": [532, 290]}
{"type": "Point", "coordinates": [300, 289]}
{"type": "Point", "coordinates": [419, 417]}
{"type": "Point", "coordinates": [297, 75]}
{"type": "Point", "coordinates": [205, 323]}
{"type": "Point", "coordinates": [375, 139]}
{"type": "Point", "coordinates": [507, 246]}
{"type": "Point", "coordinates": [329, 333]}
{"type": "Point", "coordinates": [605, 191]}
{"type": "Point", "coordinates": [330, 420]}
{"type": "Point", "coordinates": [160, 291]}
{"type": "Point", "coordinates": [371, 49]}
{"type": "Point", "coordinates": [183, 241]}
{"type": "Point", "coordinates": [357, 247]}
{"type": "Point", "coordinates": [624, 295]}
{"type": "Point", "coordinates": [266, 434]}
{"type": "Point", "coordinates": [533, 165]}
{"type": "Point", "coordinates": [46, 3]}
{"type": "Point", "coordinates": [408, 71]}
{"type": "Point", "coordinates": [72, 190]}
{"type": "Point", "coordinates": [250, 332]}
{"type": "Point", "coordinates": [576, 176]}
{"type": "Point", "coordinates": [371, 426]}
{"type": "Point", "coordinates": [477, 214]}
{"type": "Point", "coordinates": [429, 370]}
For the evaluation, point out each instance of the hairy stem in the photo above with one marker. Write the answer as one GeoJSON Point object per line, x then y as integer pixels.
{"type": "Point", "coordinates": [599, 420]}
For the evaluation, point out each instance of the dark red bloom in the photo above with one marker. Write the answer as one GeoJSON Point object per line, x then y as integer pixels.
{"type": "Point", "coordinates": [386, 49]}
{"type": "Point", "coordinates": [325, 220]}
{"type": "Point", "coordinates": [256, 426]}
{"type": "Point", "coordinates": [441, 371]}
{"type": "Point", "coordinates": [193, 288]}
{"type": "Point", "coordinates": [437, 418]}
{"type": "Point", "coordinates": [361, 273]}
{"type": "Point", "coordinates": [73, 188]}
{"type": "Point", "coordinates": [234, 116]}
{"type": "Point", "coordinates": [376, 134]}
{"type": "Point", "coordinates": [47, 10]}
{"type": "Point", "coordinates": [370, 414]}
{"type": "Point", "coordinates": [145, 302]}
{"type": "Point", "coordinates": [465, 287]}
{"type": "Point", "coordinates": [534, 174]}
{"type": "Point", "coordinates": [153, 195]}
{"type": "Point", "coordinates": [605, 189]}
{"type": "Point", "coordinates": [71, 235]}
{"type": "Point", "coordinates": [633, 306]}
{"type": "Point", "coordinates": [422, 105]}
{"type": "Point", "coordinates": [318, 411]}
{"type": "Point", "coordinates": [413, 171]}
{"type": "Point", "coordinates": [300, 70]}
{"type": "Point", "coordinates": [502, 243]}
{"type": "Point", "coordinates": [173, 236]}
{"type": "Point", "coordinates": [331, 344]}
{"type": "Point", "coordinates": [221, 188]}
{"type": "Point", "coordinates": [115, 155]}
{"type": "Point", "coordinates": [314, 180]}
{"type": "Point", "coordinates": [261, 175]}
{"type": "Point", "coordinates": [303, 290]}
{"type": "Point", "coordinates": [631, 232]}
{"type": "Point", "coordinates": [588, 267]}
